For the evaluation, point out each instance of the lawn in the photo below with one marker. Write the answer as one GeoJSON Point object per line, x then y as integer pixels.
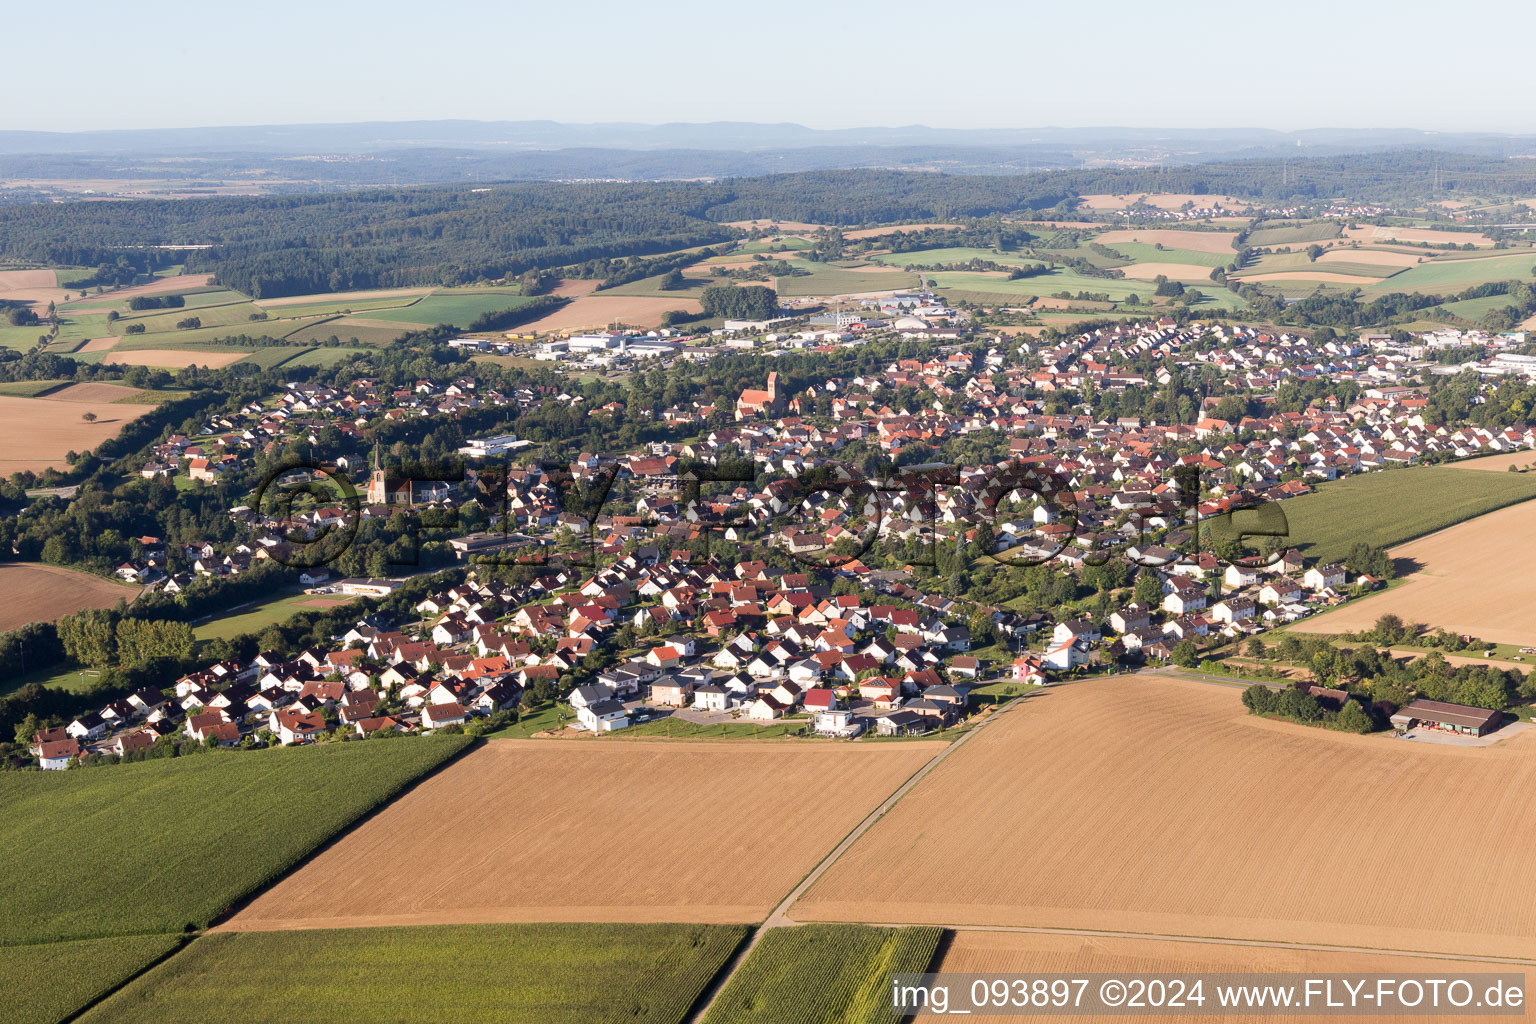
{"type": "Point", "coordinates": [680, 728]}
{"type": "Point", "coordinates": [1453, 275]}
{"type": "Point", "coordinates": [824, 972]}
{"type": "Point", "coordinates": [255, 619]}
{"type": "Point", "coordinates": [74, 679]}
{"type": "Point", "coordinates": [168, 845]}
{"type": "Point", "coordinates": [1293, 234]}
{"type": "Point", "coordinates": [47, 982]}
{"type": "Point", "coordinates": [1389, 507]}
{"type": "Point", "coordinates": [509, 973]}
{"type": "Point", "coordinates": [546, 718]}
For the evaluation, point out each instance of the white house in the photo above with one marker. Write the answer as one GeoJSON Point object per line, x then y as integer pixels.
{"type": "Point", "coordinates": [602, 716]}
{"type": "Point", "coordinates": [1321, 577]}
{"type": "Point", "coordinates": [1066, 656]}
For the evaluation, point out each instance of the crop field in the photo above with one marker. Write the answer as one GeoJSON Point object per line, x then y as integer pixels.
{"type": "Point", "coordinates": [330, 355]}
{"type": "Point", "coordinates": [1477, 578]}
{"type": "Point", "coordinates": [997, 287]}
{"type": "Point", "coordinates": [1032, 954]}
{"type": "Point", "coordinates": [1453, 275]}
{"type": "Point", "coordinates": [830, 279]}
{"type": "Point", "coordinates": [604, 308]}
{"type": "Point", "coordinates": [512, 974]}
{"type": "Point", "coordinates": [1189, 273]}
{"type": "Point", "coordinates": [39, 432]}
{"type": "Point", "coordinates": [1146, 252]}
{"type": "Point", "coordinates": [255, 619]}
{"type": "Point", "coordinates": [28, 388]}
{"type": "Point", "coordinates": [651, 286]}
{"type": "Point", "coordinates": [1210, 242]}
{"type": "Point", "coordinates": [350, 329]}
{"type": "Point", "coordinates": [1157, 805]}
{"type": "Point", "coordinates": [45, 983]}
{"type": "Point", "coordinates": [170, 285]}
{"type": "Point", "coordinates": [1434, 236]}
{"type": "Point", "coordinates": [1390, 260]}
{"type": "Point", "coordinates": [177, 358]}
{"type": "Point", "coordinates": [1293, 234]}
{"type": "Point", "coordinates": [147, 847]}
{"type": "Point", "coordinates": [457, 307]}
{"type": "Point", "coordinates": [820, 972]}
{"type": "Point", "coordinates": [1388, 507]}
{"type": "Point", "coordinates": [956, 254]}
{"type": "Point", "coordinates": [1475, 309]}
{"type": "Point", "coordinates": [232, 313]}
{"type": "Point", "coordinates": [725, 854]}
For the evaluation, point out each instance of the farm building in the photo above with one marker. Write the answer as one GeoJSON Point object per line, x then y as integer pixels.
{"type": "Point", "coordinates": [1436, 714]}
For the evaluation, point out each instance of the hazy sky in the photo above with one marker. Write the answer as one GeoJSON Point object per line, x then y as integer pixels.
{"type": "Point", "coordinates": [823, 63]}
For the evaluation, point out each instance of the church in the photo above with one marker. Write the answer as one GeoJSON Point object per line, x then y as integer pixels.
{"type": "Point", "coordinates": [384, 491]}
{"type": "Point", "coordinates": [768, 403]}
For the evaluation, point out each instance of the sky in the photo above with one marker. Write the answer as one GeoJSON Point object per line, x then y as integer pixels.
{"type": "Point", "coordinates": [823, 64]}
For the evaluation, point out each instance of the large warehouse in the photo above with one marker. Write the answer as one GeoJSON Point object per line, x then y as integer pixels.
{"type": "Point", "coordinates": [1437, 714]}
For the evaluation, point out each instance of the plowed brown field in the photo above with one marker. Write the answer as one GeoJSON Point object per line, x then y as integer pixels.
{"type": "Point", "coordinates": [36, 433]}
{"type": "Point", "coordinates": [1478, 577]}
{"type": "Point", "coordinates": [42, 593]}
{"type": "Point", "coordinates": [1157, 805]}
{"type": "Point", "coordinates": [588, 830]}
{"type": "Point", "coordinates": [981, 952]}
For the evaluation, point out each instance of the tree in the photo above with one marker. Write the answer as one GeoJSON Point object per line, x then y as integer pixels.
{"type": "Point", "coordinates": [89, 417]}
{"type": "Point", "coordinates": [672, 281]}
{"type": "Point", "coordinates": [753, 302]}
{"type": "Point", "coordinates": [1149, 588]}
{"type": "Point", "coordinates": [1259, 699]}
{"type": "Point", "coordinates": [1389, 629]}
{"type": "Point", "coordinates": [1352, 718]}
{"type": "Point", "coordinates": [1186, 654]}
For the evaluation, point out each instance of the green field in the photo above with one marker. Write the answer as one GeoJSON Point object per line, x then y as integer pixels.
{"type": "Point", "coordinates": [233, 313]}
{"type": "Point", "coordinates": [339, 305]}
{"type": "Point", "coordinates": [990, 288]}
{"type": "Point", "coordinates": [21, 338]}
{"type": "Point", "coordinates": [823, 972]}
{"type": "Point", "coordinates": [327, 356]}
{"type": "Point", "coordinates": [651, 287]}
{"type": "Point", "coordinates": [46, 982]}
{"type": "Point", "coordinates": [1292, 234]}
{"type": "Point", "coordinates": [1141, 252]}
{"type": "Point", "coordinates": [1388, 507]}
{"type": "Point", "coordinates": [1453, 275]}
{"type": "Point", "coordinates": [511, 974]}
{"type": "Point", "coordinates": [679, 728]}
{"type": "Point", "coordinates": [956, 254]}
{"type": "Point", "coordinates": [29, 388]}
{"type": "Point", "coordinates": [457, 307]}
{"type": "Point", "coordinates": [167, 845]}
{"type": "Point", "coordinates": [254, 620]}
{"type": "Point", "coordinates": [1474, 309]}
{"type": "Point", "coordinates": [830, 279]}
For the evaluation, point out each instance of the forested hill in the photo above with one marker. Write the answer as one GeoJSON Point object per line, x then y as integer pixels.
{"type": "Point", "coordinates": [285, 245]}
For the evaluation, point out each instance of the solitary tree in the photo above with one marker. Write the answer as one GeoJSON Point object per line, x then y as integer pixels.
{"type": "Point", "coordinates": [89, 417]}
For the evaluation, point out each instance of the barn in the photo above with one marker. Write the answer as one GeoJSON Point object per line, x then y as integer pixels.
{"type": "Point", "coordinates": [1437, 714]}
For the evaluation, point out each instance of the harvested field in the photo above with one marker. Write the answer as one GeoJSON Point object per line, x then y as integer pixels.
{"type": "Point", "coordinates": [98, 392]}
{"type": "Point", "coordinates": [1499, 463]}
{"type": "Point", "coordinates": [1434, 236]}
{"type": "Point", "coordinates": [506, 833]}
{"type": "Point", "coordinates": [1157, 805]}
{"type": "Point", "coordinates": [38, 287]}
{"type": "Point", "coordinates": [341, 299]}
{"type": "Point", "coordinates": [1176, 271]}
{"type": "Point", "coordinates": [1478, 578]}
{"type": "Point", "coordinates": [1172, 238]}
{"type": "Point", "coordinates": [325, 602]}
{"type": "Point", "coordinates": [1163, 200]}
{"type": "Point", "coordinates": [892, 229]}
{"type": "Point", "coordinates": [1311, 275]}
{"type": "Point", "coordinates": [985, 952]}
{"type": "Point", "coordinates": [159, 286]}
{"type": "Point", "coordinates": [42, 593]}
{"type": "Point", "coordinates": [571, 287]}
{"type": "Point", "coordinates": [39, 433]}
{"type": "Point", "coordinates": [1383, 257]}
{"type": "Point", "coordinates": [590, 311]}
{"type": "Point", "coordinates": [176, 358]}
{"type": "Point", "coordinates": [773, 225]}
{"type": "Point", "coordinates": [99, 344]}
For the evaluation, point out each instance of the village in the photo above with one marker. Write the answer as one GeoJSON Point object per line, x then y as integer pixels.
{"type": "Point", "coordinates": [818, 617]}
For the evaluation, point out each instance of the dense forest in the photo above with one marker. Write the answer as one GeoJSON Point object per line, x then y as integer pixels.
{"type": "Point", "coordinates": [285, 245]}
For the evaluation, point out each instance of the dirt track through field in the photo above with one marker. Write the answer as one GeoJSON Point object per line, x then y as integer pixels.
{"type": "Point", "coordinates": [1477, 577]}
{"type": "Point", "coordinates": [595, 830]}
{"type": "Point", "coordinates": [1158, 806]}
